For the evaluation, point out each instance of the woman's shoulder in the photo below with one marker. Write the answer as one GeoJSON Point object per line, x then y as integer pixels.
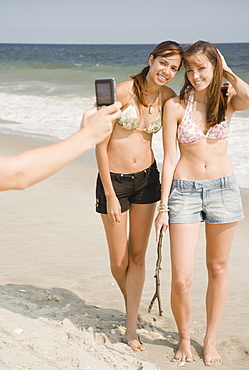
{"type": "Point", "coordinates": [173, 101]}
{"type": "Point", "coordinates": [124, 92]}
{"type": "Point", "coordinates": [182, 99]}
{"type": "Point", "coordinates": [166, 93]}
{"type": "Point", "coordinates": [175, 107]}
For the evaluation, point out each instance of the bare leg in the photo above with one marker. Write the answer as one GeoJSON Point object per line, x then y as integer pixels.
{"type": "Point", "coordinates": [141, 218]}
{"type": "Point", "coordinates": [127, 260]}
{"type": "Point", "coordinates": [116, 234]}
{"type": "Point", "coordinates": [183, 243]}
{"type": "Point", "coordinates": [219, 242]}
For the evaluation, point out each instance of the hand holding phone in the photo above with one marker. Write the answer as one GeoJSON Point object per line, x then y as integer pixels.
{"type": "Point", "coordinates": [105, 89]}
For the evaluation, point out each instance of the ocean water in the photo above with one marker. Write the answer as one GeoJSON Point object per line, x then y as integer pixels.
{"type": "Point", "coordinates": [45, 89]}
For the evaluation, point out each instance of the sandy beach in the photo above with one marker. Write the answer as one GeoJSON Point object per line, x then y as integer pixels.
{"type": "Point", "coordinates": [59, 305]}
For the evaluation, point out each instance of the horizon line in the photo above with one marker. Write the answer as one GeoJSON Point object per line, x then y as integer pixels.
{"type": "Point", "coordinates": [123, 43]}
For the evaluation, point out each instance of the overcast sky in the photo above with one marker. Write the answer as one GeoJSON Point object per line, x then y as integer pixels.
{"type": "Point", "coordinates": [123, 21]}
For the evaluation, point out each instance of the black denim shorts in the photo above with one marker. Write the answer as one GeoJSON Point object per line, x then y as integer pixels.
{"type": "Point", "coordinates": [140, 188]}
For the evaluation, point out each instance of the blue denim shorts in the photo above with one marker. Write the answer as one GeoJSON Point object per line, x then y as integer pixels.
{"type": "Point", "coordinates": [215, 201]}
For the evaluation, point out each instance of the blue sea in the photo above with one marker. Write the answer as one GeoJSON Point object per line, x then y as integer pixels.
{"type": "Point", "coordinates": [45, 89]}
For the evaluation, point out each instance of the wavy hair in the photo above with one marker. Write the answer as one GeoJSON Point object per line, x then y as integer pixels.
{"type": "Point", "coordinates": [216, 100]}
{"type": "Point", "coordinates": [164, 49]}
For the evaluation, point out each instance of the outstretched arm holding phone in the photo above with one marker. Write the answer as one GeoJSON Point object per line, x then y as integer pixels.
{"type": "Point", "coordinates": [30, 167]}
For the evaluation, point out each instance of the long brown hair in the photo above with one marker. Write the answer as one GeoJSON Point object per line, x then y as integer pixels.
{"type": "Point", "coordinates": [165, 49]}
{"type": "Point", "coordinates": [216, 101]}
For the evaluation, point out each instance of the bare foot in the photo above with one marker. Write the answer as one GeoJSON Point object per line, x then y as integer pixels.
{"type": "Point", "coordinates": [135, 343]}
{"type": "Point", "coordinates": [184, 351]}
{"type": "Point", "coordinates": [211, 356]}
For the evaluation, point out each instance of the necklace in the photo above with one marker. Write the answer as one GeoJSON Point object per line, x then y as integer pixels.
{"type": "Point", "coordinates": [151, 108]}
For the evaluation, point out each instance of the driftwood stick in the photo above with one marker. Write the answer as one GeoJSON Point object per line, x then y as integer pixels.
{"type": "Point", "coordinates": [157, 294]}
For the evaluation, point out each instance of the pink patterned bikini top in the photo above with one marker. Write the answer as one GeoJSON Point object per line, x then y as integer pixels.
{"type": "Point", "coordinates": [188, 131]}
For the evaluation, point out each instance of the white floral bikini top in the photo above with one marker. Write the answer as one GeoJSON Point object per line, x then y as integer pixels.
{"type": "Point", "coordinates": [129, 121]}
{"type": "Point", "coordinates": [188, 131]}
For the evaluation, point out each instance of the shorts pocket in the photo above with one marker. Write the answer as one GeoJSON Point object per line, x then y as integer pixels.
{"type": "Point", "coordinates": [231, 198]}
{"type": "Point", "coordinates": [176, 202]}
{"type": "Point", "coordinates": [154, 177]}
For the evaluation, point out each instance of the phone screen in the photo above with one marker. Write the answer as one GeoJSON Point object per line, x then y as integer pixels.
{"type": "Point", "coordinates": [105, 91]}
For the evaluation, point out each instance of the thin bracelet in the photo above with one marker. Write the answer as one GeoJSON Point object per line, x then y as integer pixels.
{"type": "Point", "coordinates": [162, 208]}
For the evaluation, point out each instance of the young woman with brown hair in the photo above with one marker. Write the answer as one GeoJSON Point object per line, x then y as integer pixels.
{"type": "Point", "coordinates": [201, 186]}
{"type": "Point", "coordinates": [128, 184]}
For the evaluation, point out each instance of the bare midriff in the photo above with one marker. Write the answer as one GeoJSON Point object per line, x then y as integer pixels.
{"type": "Point", "coordinates": [203, 160]}
{"type": "Point", "coordinates": [129, 151]}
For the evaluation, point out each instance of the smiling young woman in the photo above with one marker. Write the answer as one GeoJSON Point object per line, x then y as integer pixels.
{"type": "Point", "coordinates": [201, 186]}
{"type": "Point", "coordinates": [128, 185]}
